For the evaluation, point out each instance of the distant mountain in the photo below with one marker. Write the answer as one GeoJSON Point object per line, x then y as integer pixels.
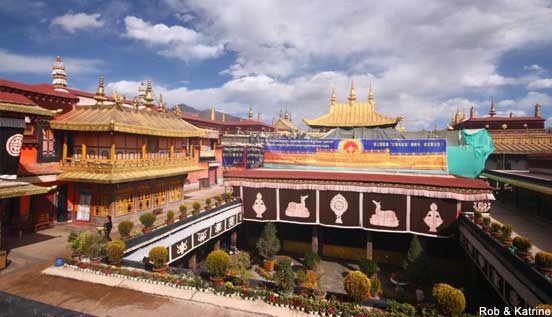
{"type": "Point", "coordinates": [207, 113]}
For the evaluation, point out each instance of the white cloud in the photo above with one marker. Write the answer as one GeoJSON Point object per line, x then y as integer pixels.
{"type": "Point", "coordinates": [541, 83]}
{"type": "Point", "coordinates": [532, 98]}
{"type": "Point", "coordinates": [79, 21]}
{"type": "Point", "coordinates": [172, 41]}
{"type": "Point", "coordinates": [19, 63]}
{"type": "Point", "coordinates": [533, 68]}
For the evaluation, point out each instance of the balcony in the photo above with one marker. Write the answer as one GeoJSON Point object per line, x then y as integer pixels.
{"type": "Point", "coordinates": [118, 171]}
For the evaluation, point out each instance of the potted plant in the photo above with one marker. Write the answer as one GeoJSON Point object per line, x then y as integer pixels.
{"type": "Point", "coordinates": [115, 252]}
{"type": "Point", "coordinates": [196, 206]}
{"type": "Point", "coordinates": [244, 278]}
{"type": "Point", "coordinates": [227, 197]}
{"type": "Point", "coordinates": [301, 277]}
{"type": "Point", "coordinates": [478, 216]}
{"type": "Point", "coordinates": [125, 227]}
{"type": "Point", "coordinates": [486, 224]}
{"type": "Point", "coordinates": [217, 263]}
{"type": "Point", "coordinates": [284, 277]}
{"type": "Point", "coordinates": [170, 217]}
{"type": "Point", "coordinates": [218, 200]}
{"type": "Point", "coordinates": [208, 203]}
{"type": "Point", "coordinates": [183, 212]}
{"type": "Point", "coordinates": [523, 245]}
{"type": "Point", "coordinates": [368, 267]}
{"type": "Point", "coordinates": [506, 236]}
{"type": "Point", "coordinates": [449, 300]}
{"type": "Point", "coordinates": [543, 260]}
{"type": "Point", "coordinates": [319, 292]}
{"type": "Point", "coordinates": [90, 245]}
{"type": "Point", "coordinates": [375, 287]}
{"type": "Point", "coordinates": [268, 245]}
{"type": "Point", "coordinates": [312, 260]}
{"type": "Point", "coordinates": [357, 285]}
{"type": "Point", "coordinates": [495, 229]}
{"type": "Point", "coordinates": [147, 221]}
{"type": "Point", "coordinates": [159, 257]}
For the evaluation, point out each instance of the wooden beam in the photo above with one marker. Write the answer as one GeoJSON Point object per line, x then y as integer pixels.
{"type": "Point", "coordinates": [83, 152]}
{"type": "Point", "coordinates": [64, 149]}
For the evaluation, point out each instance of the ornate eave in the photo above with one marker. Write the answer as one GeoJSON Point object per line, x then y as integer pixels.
{"type": "Point", "coordinates": [10, 189]}
{"type": "Point", "coordinates": [26, 109]}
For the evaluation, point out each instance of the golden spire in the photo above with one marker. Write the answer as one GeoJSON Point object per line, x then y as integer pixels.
{"type": "Point", "coordinates": [464, 114]}
{"type": "Point", "coordinates": [457, 116]}
{"type": "Point", "coordinates": [258, 116]}
{"type": "Point", "coordinates": [273, 120]}
{"type": "Point", "coordinates": [333, 98]}
{"type": "Point", "coordinates": [537, 110]}
{"type": "Point", "coordinates": [286, 115]}
{"type": "Point", "coordinates": [281, 113]}
{"type": "Point", "coordinates": [213, 114]}
{"type": "Point", "coordinates": [60, 76]}
{"type": "Point", "coordinates": [250, 114]}
{"type": "Point", "coordinates": [371, 95]}
{"type": "Point", "coordinates": [100, 93]}
{"type": "Point", "coordinates": [352, 93]}
{"type": "Point", "coordinates": [162, 105]}
{"type": "Point", "coordinates": [223, 117]}
{"type": "Point", "coordinates": [149, 96]}
{"type": "Point", "coordinates": [472, 112]}
{"type": "Point", "coordinates": [511, 114]}
{"type": "Point", "coordinates": [492, 111]}
{"type": "Point", "coordinates": [176, 110]}
{"type": "Point", "coordinates": [135, 103]}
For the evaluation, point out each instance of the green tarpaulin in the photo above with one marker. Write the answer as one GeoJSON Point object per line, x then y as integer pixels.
{"type": "Point", "coordinates": [468, 159]}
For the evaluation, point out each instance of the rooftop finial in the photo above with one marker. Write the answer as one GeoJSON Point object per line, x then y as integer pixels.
{"type": "Point", "coordinates": [281, 113]}
{"type": "Point", "coordinates": [457, 116]}
{"type": "Point", "coordinates": [223, 117]}
{"type": "Point", "coordinates": [162, 105]}
{"type": "Point", "coordinates": [537, 110]}
{"type": "Point", "coordinates": [492, 111]}
{"type": "Point", "coordinates": [464, 114]}
{"type": "Point", "coordinates": [286, 115]}
{"type": "Point", "coordinates": [258, 116]}
{"type": "Point", "coordinates": [250, 114]}
{"type": "Point", "coordinates": [371, 94]}
{"type": "Point", "coordinates": [333, 98]}
{"type": "Point", "coordinates": [176, 110]}
{"type": "Point", "coordinates": [213, 115]}
{"type": "Point", "coordinates": [352, 93]}
{"type": "Point", "coordinates": [148, 99]}
{"type": "Point", "coordinates": [472, 112]}
{"type": "Point", "coordinates": [100, 93]}
{"type": "Point", "coordinates": [60, 76]}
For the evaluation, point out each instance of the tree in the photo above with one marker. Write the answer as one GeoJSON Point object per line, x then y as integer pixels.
{"type": "Point", "coordinates": [268, 244]}
{"type": "Point", "coordinates": [416, 264]}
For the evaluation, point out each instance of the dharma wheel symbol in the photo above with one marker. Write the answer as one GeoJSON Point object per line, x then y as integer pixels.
{"type": "Point", "coordinates": [339, 206]}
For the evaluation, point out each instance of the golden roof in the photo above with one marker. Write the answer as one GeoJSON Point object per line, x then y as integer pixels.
{"type": "Point", "coordinates": [9, 189]}
{"type": "Point", "coordinates": [127, 120]}
{"type": "Point", "coordinates": [26, 109]}
{"type": "Point", "coordinates": [286, 125]}
{"type": "Point", "coordinates": [354, 113]}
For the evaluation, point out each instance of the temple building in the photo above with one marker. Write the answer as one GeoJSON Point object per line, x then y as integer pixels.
{"type": "Point", "coordinates": [514, 137]}
{"type": "Point", "coordinates": [284, 124]}
{"type": "Point", "coordinates": [352, 114]}
{"type": "Point", "coordinates": [23, 205]}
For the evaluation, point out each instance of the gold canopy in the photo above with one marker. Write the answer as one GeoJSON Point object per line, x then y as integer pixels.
{"type": "Point", "coordinates": [354, 113]}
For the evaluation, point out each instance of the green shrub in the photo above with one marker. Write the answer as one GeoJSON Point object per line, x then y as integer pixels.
{"type": "Point", "coordinates": [159, 257]}
{"type": "Point", "coordinates": [226, 196]}
{"type": "Point", "coordinates": [125, 227]}
{"type": "Point", "coordinates": [301, 276]}
{"type": "Point", "coordinates": [400, 309]}
{"type": "Point", "coordinates": [521, 243]}
{"type": "Point", "coordinates": [284, 277]}
{"type": "Point", "coordinates": [73, 240]}
{"type": "Point", "coordinates": [196, 205]}
{"type": "Point", "coordinates": [312, 260]}
{"type": "Point", "coordinates": [416, 264]}
{"type": "Point", "coordinates": [90, 244]}
{"type": "Point", "coordinates": [115, 251]}
{"type": "Point", "coordinates": [357, 285]}
{"type": "Point", "coordinates": [449, 300]}
{"type": "Point", "coordinates": [543, 259]}
{"type": "Point", "coordinates": [244, 278]}
{"type": "Point", "coordinates": [183, 209]}
{"type": "Point", "coordinates": [495, 227]}
{"type": "Point", "coordinates": [477, 215]}
{"type": "Point", "coordinates": [486, 221]}
{"type": "Point", "coordinates": [218, 198]}
{"type": "Point", "coordinates": [217, 263]}
{"type": "Point", "coordinates": [239, 261]}
{"type": "Point", "coordinates": [375, 287]}
{"type": "Point", "coordinates": [268, 244]}
{"type": "Point", "coordinates": [368, 267]}
{"type": "Point", "coordinates": [208, 201]}
{"type": "Point", "coordinates": [170, 215]}
{"type": "Point", "coordinates": [147, 219]}
{"type": "Point", "coordinates": [506, 232]}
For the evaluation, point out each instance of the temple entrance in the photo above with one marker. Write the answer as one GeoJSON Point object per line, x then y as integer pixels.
{"type": "Point", "coordinates": [83, 212]}
{"type": "Point", "coordinates": [62, 204]}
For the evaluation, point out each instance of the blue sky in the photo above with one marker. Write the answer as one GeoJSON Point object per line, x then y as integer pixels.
{"type": "Point", "coordinates": [424, 58]}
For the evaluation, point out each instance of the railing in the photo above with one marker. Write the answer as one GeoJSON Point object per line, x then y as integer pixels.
{"type": "Point", "coordinates": [108, 166]}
